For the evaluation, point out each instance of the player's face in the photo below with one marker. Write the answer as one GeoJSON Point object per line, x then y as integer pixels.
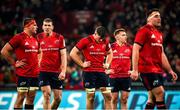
{"type": "Point", "coordinates": [155, 19]}
{"type": "Point", "coordinates": [33, 28]}
{"type": "Point", "coordinates": [121, 37]}
{"type": "Point", "coordinates": [47, 27]}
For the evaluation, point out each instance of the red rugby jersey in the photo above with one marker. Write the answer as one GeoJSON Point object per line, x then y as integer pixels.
{"type": "Point", "coordinates": [121, 62]}
{"type": "Point", "coordinates": [26, 47]}
{"type": "Point", "coordinates": [51, 46]}
{"type": "Point", "coordinates": [93, 51]}
{"type": "Point", "coordinates": [150, 55]}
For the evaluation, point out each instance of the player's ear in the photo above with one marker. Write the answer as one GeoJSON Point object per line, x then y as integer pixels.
{"type": "Point", "coordinates": [52, 27]}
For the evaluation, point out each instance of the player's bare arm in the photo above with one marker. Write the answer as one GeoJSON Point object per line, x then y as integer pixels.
{"type": "Point", "coordinates": [135, 58]}
{"type": "Point", "coordinates": [63, 66]}
{"type": "Point", "coordinates": [75, 56]}
{"type": "Point", "coordinates": [108, 59]}
{"type": "Point", "coordinates": [167, 66]}
{"type": "Point", "coordinates": [39, 56]}
{"type": "Point", "coordinates": [6, 54]}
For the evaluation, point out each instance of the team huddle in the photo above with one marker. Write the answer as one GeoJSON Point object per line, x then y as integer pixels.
{"type": "Point", "coordinates": [41, 61]}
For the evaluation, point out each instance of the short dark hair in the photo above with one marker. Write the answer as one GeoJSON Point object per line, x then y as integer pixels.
{"type": "Point", "coordinates": [48, 20]}
{"type": "Point", "coordinates": [119, 30]}
{"type": "Point", "coordinates": [27, 21]}
{"type": "Point", "coordinates": [101, 31]}
{"type": "Point", "coordinates": [151, 11]}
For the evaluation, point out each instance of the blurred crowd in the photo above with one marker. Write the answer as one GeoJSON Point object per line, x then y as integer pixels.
{"type": "Point", "coordinates": [77, 18]}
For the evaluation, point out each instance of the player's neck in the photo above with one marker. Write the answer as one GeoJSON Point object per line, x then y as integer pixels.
{"type": "Point", "coordinates": [120, 43]}
{"type": "Point", "coordinates": [28, 33]}
{"type": "Point", "coordinates": [48, 34]}
{"type": "Point", "coordinates": [96, 38]}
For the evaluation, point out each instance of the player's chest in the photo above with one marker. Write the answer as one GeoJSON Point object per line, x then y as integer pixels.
{"type": "Point", "coordinates": [121, 52]}
{"type": "Point", "coordinates": [95, 47]}
{"type": "Point", "coordinates": [49, 43]}
{"type": "Point", "coordinates": [155, 37]}
{"type": "Point", "coordinates": [30, 43]}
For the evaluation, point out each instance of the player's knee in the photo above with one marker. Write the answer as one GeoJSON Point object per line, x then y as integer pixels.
{"type": "Point", "coordinates": [124, 99]}
{"type": "Point", "coordinates": [159, 93]}
{"type": "Point", "coordinates": [57, 99]}
{"type": "Point", "coordinates": [107, 97]}
{"type": "Point", "coordinates": [115, 100]}
{"type": "Point", "coordinates": [90, 97]}
{"type": "Point", "coordinates": [47, 95]}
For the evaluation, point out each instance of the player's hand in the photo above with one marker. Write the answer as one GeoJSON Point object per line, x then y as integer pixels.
{"type": "Point", "coordinates": [134, 75]}
{"type": "Point", "coordinates": [174, 75]}
{"type": "Point", "coordinates": [108, 71]}
{"type": "Point", "coordinates": [62, 76]}
{"type": "Point", "coordinates": [86, 64]}
{"type": "Point", "coordinates": [106, 65]}
{"type": "Point", "coordinates": [20, 63]}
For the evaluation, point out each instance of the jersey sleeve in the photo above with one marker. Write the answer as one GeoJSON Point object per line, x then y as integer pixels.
{"type": "Point", "coordinates": [82, 43]}
{"type": "Point", "coordinates": [15, 41]}
{"type": "Point", "coordinates": [141, 36]}
{"type": "Point", "coordinates": [108, 46]}
{"type": "Point", "coordinates": [62, 42]}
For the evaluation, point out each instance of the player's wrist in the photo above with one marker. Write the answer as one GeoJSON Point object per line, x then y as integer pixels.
{"type": "Point", "coordinates": [106, 65]}
{"type": "Point", "coordinates": [170, 71]}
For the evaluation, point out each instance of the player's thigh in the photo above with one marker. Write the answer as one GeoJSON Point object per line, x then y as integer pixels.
{"type": "Point", "coordinates": [115, 86]}
{"type": "Point", "coordinates": [89, 81]}
{"type": "Point", "coordinates": [151, 80]}
{"type": "Point", "coordinates": [102, 80]}
{"type": "Point", "coordinates": [158, 91]}
{"type": "Point", "coordinates": [55, 83]}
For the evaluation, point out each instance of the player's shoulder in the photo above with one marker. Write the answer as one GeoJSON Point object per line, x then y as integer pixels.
{"type": "Point", "coordinates": [19, 35]}
{"type": "Point", "coordinates": [87, 39]}
{"type": "Point", "coordinates": [40, 35]}
{"type": "Point", "coordinates": [129, 45]}
{"type": "Point", "coordinates": [58, 35]}
{"type": "Point", "coordinates": [113, 44]}
{"type": "Point", "coordinates": [146, 27]}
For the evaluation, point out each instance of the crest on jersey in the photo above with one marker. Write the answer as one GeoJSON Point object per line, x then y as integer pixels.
{"type": "Point", "coordinates": [126, 51]}
{"type": "Point", "coordinates": [114, 51]}
{"type": "Point", "coordinates": [56, 41]}
{"type": "Point", "coordinates": [91, 47]}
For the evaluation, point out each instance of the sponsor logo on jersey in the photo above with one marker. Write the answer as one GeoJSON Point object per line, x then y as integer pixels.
{"type": "Point", "coordinates": [127, 50]}
{"type": "Point", "coordinates": [114, 51]}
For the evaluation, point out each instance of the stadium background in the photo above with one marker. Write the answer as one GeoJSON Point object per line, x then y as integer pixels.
{"type": "Point", "coordinates": [77, 18]}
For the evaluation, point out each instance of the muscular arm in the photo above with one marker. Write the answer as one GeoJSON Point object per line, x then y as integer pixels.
{"type": "Point", "coordinates": [135, 56]}
{"type": "Point", "coordinates": [6, 53]}
{"type": "Point", "coordinates": [108, 59]}
{"type": "Point", "coordinates": [39, 56]}
{"type": "Point", "coordinates": [135, 59]}
{"type": "Point", "coordinates": [63, 60]}
{"type": "Point", "coordinates": [74, 55]}
{"type": "Point", "coordinates": [167, 66]}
